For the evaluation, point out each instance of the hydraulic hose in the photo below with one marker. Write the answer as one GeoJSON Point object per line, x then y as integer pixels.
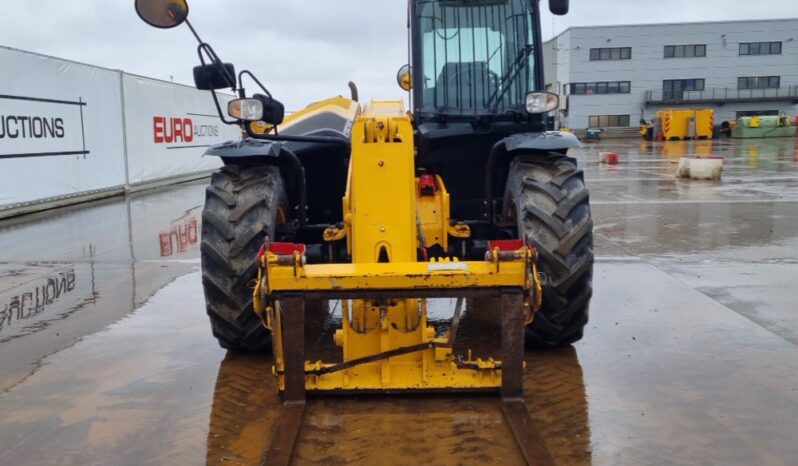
{"type": "Point", "coordinates": [495, 152]}
{"type": "Point", "coordinates": [301, 181]}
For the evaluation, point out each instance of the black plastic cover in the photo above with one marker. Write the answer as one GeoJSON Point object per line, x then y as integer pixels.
{"type": "Point", "coordinates": [212, 77]}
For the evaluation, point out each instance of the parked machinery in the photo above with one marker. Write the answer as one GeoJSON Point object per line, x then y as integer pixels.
{"type": "Point", "coordinates": [764, 127]}
{"type": "Point", "coordinates": [681, 124]}
{"type": "Point", "coordinates": [380, 210]}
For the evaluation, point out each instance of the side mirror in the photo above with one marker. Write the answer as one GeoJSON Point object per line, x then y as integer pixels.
{"type": "Point", "coordinates": [212, 77]}
{"type": "Point", "coordinates": [559, 7]}
{"type": "Point", "coordinates": [162, 14]}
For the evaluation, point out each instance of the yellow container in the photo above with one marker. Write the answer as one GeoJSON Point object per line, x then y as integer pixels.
{"type": "Point", "coordinates": [686, 124]}
{"type": "Point", "coordinates": [705, 123]}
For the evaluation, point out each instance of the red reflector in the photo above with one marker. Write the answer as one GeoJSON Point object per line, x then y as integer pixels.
{"type": "Point", "coordinates": [427, 185]}
{"type": "Point", "coordinates": [286, 249]}
{"type": "Point", "coordinates": [506, 245]}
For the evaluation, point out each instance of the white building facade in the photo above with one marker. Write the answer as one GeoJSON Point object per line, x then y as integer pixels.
{"type": "Point", "coordinates": [612, 76]}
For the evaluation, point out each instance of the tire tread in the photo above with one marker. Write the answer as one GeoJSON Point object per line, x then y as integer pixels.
{"type": "Point", "coordinates": [552, 205]}
{"type": "Point", "coordinates": [241, 205]}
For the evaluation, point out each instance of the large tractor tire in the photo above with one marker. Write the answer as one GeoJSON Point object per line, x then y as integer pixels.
{"type": "Point", "coordinates": [242, 206]}
{"type": "Point", "coordinates": [546, 193]}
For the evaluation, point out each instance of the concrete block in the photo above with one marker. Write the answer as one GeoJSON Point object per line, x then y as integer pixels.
{"type": "Point", "coordinates": [700, 168]}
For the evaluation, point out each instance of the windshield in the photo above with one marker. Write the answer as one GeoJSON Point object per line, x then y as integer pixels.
{"type": "Point", "coordinates": [477, 56]}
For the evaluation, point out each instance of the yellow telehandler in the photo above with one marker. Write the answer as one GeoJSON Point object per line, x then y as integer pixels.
{"type": "Point", "coordinates": [380, 210]}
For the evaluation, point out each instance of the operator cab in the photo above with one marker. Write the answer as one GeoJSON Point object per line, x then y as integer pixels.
{"type": "Point", "coordinates": [476, 60]}
{"type": "Point", "coordinates": [477, 78]}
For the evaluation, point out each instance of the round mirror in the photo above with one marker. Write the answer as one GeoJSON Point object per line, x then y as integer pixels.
{"type": "Point", "coordinates": [405, 77]}
{"type": "Point", "coordinates": [559, 7]}
{"type": "Point", "coordinates": [162, 14]}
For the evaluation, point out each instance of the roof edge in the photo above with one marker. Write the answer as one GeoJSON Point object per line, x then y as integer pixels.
{"type": "Point", "coordinates": [686, 23]}
{"type": "Point", "coordinates": [89, 65]}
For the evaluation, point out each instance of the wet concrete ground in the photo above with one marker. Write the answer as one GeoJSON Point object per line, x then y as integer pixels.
{"type": "Point", "coordinates": [690, 357]}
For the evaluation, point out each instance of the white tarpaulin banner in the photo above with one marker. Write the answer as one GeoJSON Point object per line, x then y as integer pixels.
{"type": "Point", "coordinates": [60, 128]}
{"type": "Point", "coordinates": [169, 127]}
{"type": "Point", "coordinates": [69, 129]}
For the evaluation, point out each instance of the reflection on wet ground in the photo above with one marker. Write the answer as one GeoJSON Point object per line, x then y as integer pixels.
{"type": "Point", "coordinates": [690, 356]}
{"type": "Point", "coordinates": [70, 273]}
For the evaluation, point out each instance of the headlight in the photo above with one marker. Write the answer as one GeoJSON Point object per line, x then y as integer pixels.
{"type": "Point", "coordinates": [246, 109]}
{"type": "Point", "coordinates": [541, 102]}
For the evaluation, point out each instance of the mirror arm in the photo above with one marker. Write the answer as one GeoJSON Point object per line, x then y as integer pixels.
{"type": "Point", "coordinates": [243, 94]}
{"type": "Point", "coordinates": [194, 31]}
{"type": "Point", "coordinates": [252, 76]}
{"type": "Point", "coordinates": [205, 47]}
{"type": "Point", "coordinates": [222, 113]}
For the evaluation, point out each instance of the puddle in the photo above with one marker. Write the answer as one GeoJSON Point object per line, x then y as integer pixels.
{"type": "Point", "coordinates": [114, 363]}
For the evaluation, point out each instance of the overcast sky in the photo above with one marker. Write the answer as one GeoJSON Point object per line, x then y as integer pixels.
{"type": "Point", "coordinates": [303, 50]}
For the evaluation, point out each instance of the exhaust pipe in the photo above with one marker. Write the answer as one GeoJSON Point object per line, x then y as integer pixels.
{"type": "Point", "coordinates": [353, 91]}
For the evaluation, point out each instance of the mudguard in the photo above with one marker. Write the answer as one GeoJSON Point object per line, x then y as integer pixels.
{"type": "Point", "coordinates": [545, 141]}
{"type": "Point", "coordinates": [260, 148]}
{"type": "Point", "coordinates": [244, 148]}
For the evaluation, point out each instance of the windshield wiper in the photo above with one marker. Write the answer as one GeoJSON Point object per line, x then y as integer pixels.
{"type": "Point", "coordinates": [521, 62]}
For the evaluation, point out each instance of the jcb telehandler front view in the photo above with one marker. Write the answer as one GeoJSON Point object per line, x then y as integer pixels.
{"type": "Point", "coordinates": [467, 196]}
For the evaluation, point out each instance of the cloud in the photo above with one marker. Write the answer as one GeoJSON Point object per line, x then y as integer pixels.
{"type": "Point", "coordinates": [303, 50]}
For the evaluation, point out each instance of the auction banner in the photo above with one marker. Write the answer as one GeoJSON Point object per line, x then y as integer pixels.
{"type": "Point", "coordinates": [169, 127]}
{"type": "Point", "coordinates": [60, 128]}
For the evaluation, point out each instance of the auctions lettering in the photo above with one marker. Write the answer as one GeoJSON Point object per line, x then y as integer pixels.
{"type": "Point", "coordinates": [31, 127]}
{"type": "Point", "coordinates": [33, 302]}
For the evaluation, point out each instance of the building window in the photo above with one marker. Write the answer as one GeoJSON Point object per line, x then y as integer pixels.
{"type": "Point", "coordinates": [683, 85]}
{"type": "Point", "coordinates": [760, 48]}
{"type": "Point", "coordinates": [608, 121]}
{"type": "Point", "coordinates": [674, 89]}
{"type": "Point", "coordinates": [685, 51]}
{"type": "Point", "coordinates": [611, 53]}
{"type": "Point", "coordinates": [611, 87]}
{"type": "Point", "coordinates": [759, 82]}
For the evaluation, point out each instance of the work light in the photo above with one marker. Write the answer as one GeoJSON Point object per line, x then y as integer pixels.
{"type": "Point", "coordinates": [541, 102]}
{"type": "Point", "coordinates": [246, 109]}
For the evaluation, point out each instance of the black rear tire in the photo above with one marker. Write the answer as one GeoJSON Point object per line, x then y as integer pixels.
{"type": "Point", "coordinates": [242, 205]}
{"type": "Point", "coordinates": [546, 193]}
